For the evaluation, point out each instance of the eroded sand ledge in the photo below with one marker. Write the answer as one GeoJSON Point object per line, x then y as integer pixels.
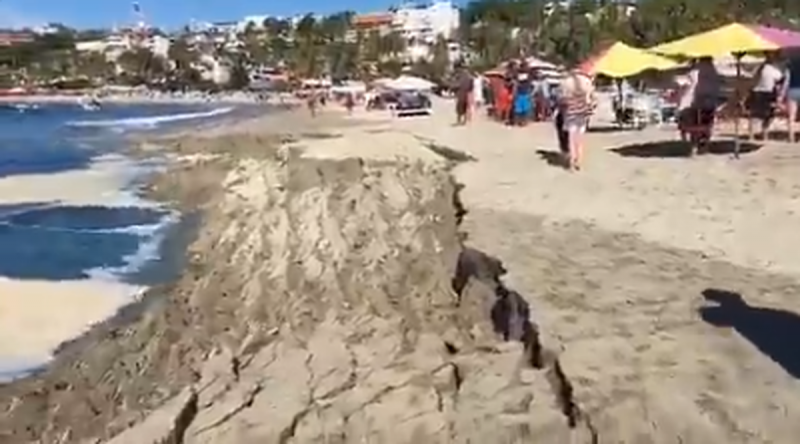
{"type": "Point", "coordinates": [325, 299]}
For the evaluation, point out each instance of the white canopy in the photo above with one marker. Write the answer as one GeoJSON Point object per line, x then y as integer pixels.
{"type": "Point", "coordinates": [408, 83]}
{"type": "Point", "coordinates": [537, 63]}
{"type": "Point", "coordinates": [349, 88]}
{"type": "Point", "coordinates": [726, 66]}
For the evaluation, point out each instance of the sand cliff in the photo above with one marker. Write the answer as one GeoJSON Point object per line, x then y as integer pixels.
{"type": "Point", "coordinates": [327, 298]}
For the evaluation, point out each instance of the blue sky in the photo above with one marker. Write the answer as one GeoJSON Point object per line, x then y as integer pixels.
{"type": "Point", "coordinates": [165, 13]}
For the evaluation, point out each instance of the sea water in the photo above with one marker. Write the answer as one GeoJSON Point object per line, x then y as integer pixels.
{"type": "Point", "coordinates": [114, 237]}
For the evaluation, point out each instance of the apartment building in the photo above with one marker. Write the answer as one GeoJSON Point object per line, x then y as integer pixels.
{"type": "Point", "coordinates": [120, 41]}
{"type": "Point", "coordinates": [424, 23]}
{"type": "Point", "coordinates": [377, 21]}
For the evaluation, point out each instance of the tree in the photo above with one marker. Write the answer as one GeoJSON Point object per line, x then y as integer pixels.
{"type": "Point", "coordinates": [239, 73]}
{"type": "Point", "coordinates": [94, 65]}
{"type": "Point", "coordinates": [309, 42]}
{"type": "Point", "coordinates": [440, 60]}
{"type": "Point", "coordinates": [141, 65]}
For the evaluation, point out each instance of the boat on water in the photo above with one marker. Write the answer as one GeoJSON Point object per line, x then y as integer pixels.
{"type": "Point", "coordinates": [91, 104]}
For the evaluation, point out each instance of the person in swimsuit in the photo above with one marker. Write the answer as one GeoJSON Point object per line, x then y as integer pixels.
{"type": "Point", "coordinates": [311, 102]}
{"type": "Point", "coordinates": [577, 103]}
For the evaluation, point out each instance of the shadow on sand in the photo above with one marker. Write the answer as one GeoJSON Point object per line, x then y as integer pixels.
{"type": "Point", "coordinates": [771, 330]}
{"type": "Point", "coordinates": [553, 158]}
{"type": "Point", "coordinates": [677, 148]}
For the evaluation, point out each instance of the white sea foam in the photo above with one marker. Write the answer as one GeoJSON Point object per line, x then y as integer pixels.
{"type": "Point", "coordinates": [152, 236]}
{"type": "Point", "coordinates": [149, 122]}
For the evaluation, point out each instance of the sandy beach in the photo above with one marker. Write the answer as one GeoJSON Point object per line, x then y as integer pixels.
{"type": "Point", "coordinates": [337, 292]}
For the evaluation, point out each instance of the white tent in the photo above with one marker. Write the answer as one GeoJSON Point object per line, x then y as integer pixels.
{"type": "Point", "coordinates": [537, 63]}
{"type": "Point", "coordinates": [726, 66]}
{"type": "Point", "coordinates": [409, 83]}
{"type": "Point", "coordinates": [350, 88]}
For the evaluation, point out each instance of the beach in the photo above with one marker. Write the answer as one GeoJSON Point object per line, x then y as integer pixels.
{"type": "Point", "coordinates": [364, 279]}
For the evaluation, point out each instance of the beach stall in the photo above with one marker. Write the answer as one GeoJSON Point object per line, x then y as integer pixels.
{"type": "Point", "coordinates": [619, 61]}
{"type": "Point", "coordinates": [734, 39]}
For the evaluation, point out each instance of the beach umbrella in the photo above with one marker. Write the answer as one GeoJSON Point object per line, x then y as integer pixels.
{"type": "Point", "coordinates": [620, 60]}
{"type": "Point", "coordinates": [735, 38]}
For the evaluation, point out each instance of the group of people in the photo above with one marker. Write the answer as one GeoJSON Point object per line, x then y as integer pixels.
{"type": "Point", "coordinates": [516, 97]}
{"type": "Point", "coordinates": [519, 96]}
{"type": "Point", "coordinates": [773, 88]}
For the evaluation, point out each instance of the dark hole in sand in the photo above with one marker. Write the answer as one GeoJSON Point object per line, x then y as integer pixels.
{"type": "Point", "coordinates": [772, 331]}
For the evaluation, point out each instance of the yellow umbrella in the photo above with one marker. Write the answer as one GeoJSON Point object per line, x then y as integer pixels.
{"type": "Point", "coordinates": [620, 60]}
{"type": "Point", "coordinates": [732, 38]}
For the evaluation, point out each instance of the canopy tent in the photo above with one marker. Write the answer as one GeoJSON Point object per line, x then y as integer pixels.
{"type": "Point", "coordinates": [349, 88]}
{"type": "Point", "coordinates": [620, 60]}
{"type": "Point", "coordinates": [406, 83]}
{"type": "Point", "coordinates": [736, 39]}
{"type": "Point", "coordinates": [537, 63]}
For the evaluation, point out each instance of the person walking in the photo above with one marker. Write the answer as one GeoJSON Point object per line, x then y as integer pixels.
{"type": "Point", "coordinates": [703, 93]}
{"type": "Point", "coordinates": [763, 98]}
{"type": "Point", "coordinates": [522, 99]}
{"type": "Point", "coordinates": [464, 86]}
{"type": "Point", "coordinates": [577, 103]}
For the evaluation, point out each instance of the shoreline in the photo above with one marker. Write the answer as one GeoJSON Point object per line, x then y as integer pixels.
{"type": "Point", "coordinates": [143, 99]}
{"type": "Point", "coordinates": [114, 179]}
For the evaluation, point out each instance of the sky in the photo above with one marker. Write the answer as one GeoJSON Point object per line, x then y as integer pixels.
{"type": "Point", "coordinates": [169, 14]}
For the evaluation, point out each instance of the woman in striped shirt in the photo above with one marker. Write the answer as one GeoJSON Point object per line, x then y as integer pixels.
{"type": "Point", "coordinates": [576, 105]}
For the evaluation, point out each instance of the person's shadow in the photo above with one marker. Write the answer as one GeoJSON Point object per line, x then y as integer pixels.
{"type": "Point", "coordinates": [771, 330]}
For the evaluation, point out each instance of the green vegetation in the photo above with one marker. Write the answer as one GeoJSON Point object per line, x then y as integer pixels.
{"type": "Point", "coordinates": [491, 31]}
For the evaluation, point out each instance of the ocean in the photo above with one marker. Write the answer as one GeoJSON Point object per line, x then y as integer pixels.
{"type": "Point", "coordinates": [70, 207]}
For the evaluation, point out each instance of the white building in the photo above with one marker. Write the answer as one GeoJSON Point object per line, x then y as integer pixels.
{"type": "Point", "coordinates": [424, 23]}
{"type": "Point", "coordinates": [117, 43]}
